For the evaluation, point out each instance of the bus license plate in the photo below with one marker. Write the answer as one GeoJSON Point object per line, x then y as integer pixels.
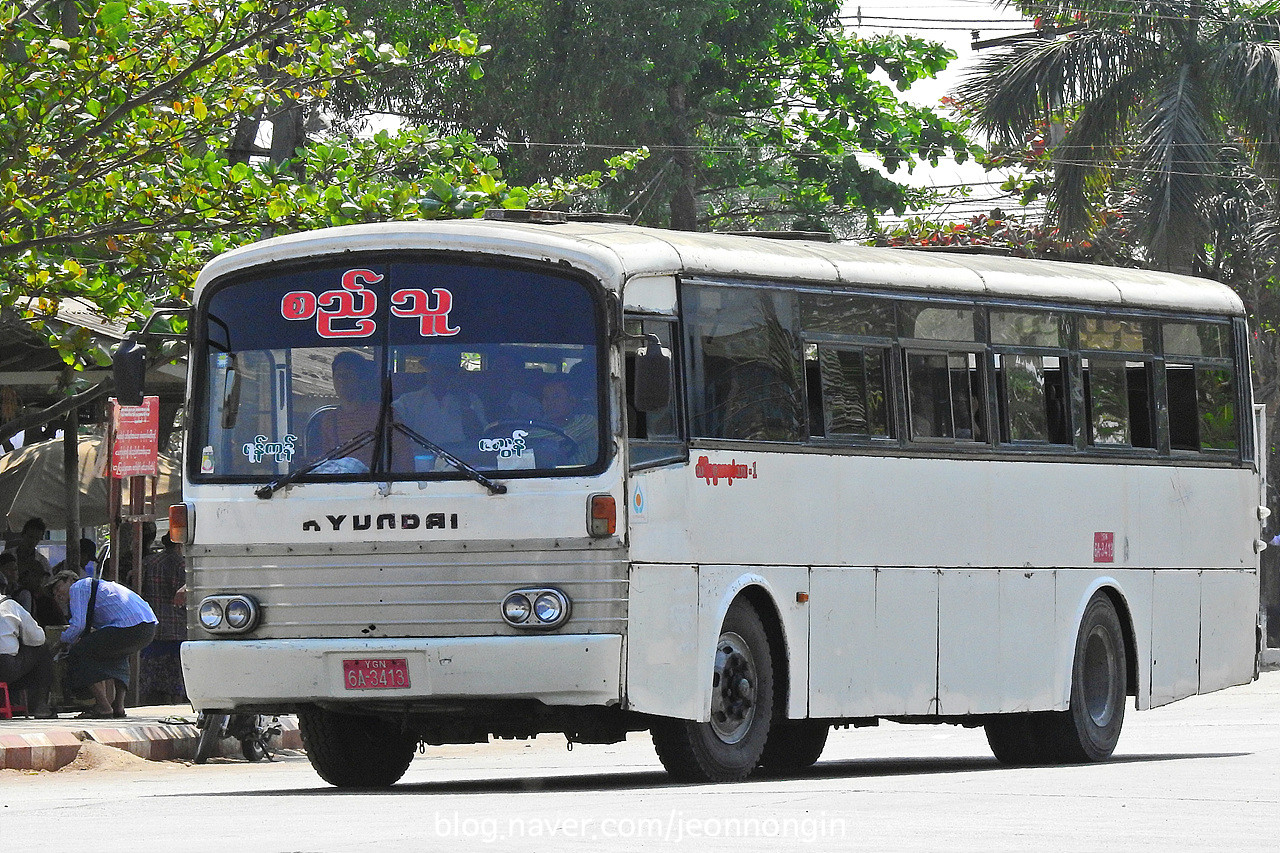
{"type": "Point", "coordinates": [375, 674]}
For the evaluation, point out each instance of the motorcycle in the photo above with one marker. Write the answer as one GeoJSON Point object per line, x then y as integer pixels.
{"type": "Point", "coordinates": [252, 730]}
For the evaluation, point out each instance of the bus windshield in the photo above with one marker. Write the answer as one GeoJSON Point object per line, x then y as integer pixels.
{"type": "Point", "coordinates": [404, 368]}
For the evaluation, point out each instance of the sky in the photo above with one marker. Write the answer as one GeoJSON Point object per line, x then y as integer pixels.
{"type": "Point", "coordinates": [951, 22]}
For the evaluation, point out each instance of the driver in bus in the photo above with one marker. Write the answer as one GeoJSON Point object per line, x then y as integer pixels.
{"type": "Point", "coordinates": [355, 384]}
{"type": "Point", "coordinates": [564, 410]}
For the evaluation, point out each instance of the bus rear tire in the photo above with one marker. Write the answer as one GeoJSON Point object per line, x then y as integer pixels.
{"type": "Point", "coordinates": [729, 746]}
{"type": "Point", "coordinates": [1017, 739]}
{"type": "Point", "coordinates": [352, 751]}
{"type": "Point", "coordinates": [1090, 727]}
{"type": "Point", "coordinates": [794, 745]}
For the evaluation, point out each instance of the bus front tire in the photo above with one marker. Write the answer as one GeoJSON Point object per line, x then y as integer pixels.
{"type": "Point", "coordinates": [1090, 727]}
{"type": "Point", "coordinates": [794, 745]}
{"type": "Point", "coordinates": [728, 746]}
{"type": "Point", "coordinates": [352, 751]}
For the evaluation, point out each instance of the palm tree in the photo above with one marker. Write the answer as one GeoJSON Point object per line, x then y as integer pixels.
{"type": "Point", "coordinates": [1159, 100]}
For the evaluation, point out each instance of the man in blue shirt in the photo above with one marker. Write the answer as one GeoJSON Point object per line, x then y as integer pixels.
{"type": "Point", "coordinates": [109, 623]}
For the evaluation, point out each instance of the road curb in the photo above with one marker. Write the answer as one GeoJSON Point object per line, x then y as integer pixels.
{"type": "Point", "coordinates": [154, 741]}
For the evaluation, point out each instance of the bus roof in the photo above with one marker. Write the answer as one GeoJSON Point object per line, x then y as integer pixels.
{"type": "Point", "coordinates": [614, 253]}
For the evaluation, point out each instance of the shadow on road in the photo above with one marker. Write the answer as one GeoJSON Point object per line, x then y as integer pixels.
{"type": "Point", "coordinates": [652, 779]}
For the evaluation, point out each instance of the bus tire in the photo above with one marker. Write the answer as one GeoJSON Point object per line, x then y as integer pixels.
{"type": "Point", "coordinates": [794, 745]}
{"type": "Point", "coordinates": [352, 751]}
{"type": "Point", "coordinates": [1017, 739]}
{"type": "Point", "coordinates": [728, 746]}
{"type": "Point", "coordinates": [1090, 727]}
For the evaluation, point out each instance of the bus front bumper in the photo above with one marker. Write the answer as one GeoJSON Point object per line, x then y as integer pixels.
{"type": "Point", "coordinates": [574, 669]}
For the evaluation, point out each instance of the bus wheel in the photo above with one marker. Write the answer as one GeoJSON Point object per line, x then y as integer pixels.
{"type": "Point", "coordinates": [351, 751]}
{"type": "Point", "coordinates": [1017, 739]}
{"type": "Point", "coordinates": [794, 745]}
{"type": "Point", "coordinates": [728, 746]}
{"type": "Point", "coordinates": [1090, 728]}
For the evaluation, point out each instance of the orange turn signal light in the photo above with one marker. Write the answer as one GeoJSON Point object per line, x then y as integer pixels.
{"type": "Point", "coordinates": [602, 518]}
{"type": "Point", "coordinates": [179, 529]}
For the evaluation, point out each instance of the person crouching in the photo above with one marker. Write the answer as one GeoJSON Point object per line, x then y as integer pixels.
{"type": "Point", "coordinates": [108, 623]}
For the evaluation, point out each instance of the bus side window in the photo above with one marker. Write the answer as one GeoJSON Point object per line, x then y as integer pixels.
{"type": "Point", "coordinates": [1032, 398]}
{"type": "Point", "coordinates": [1118, 401]}
{"type": "Point", "coordinates": [848, 389]}
{"type": "Point", "coordinates": [1201, 407]}
{"type": "Point", "coordinates": [1200, 383]}
{"type": "Point", "coordinates": [944, 396]}
{"type": "Point", "coordinates": [746, 375]}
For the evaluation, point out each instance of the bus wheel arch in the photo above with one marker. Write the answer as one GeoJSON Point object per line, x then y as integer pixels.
{"type": "Point", "coordinates": [767, 609]}
{"type": "Point", "coordinates": [792, 745]}
{"type": "Point", "coordinates": [1130, 638]}
{"type": "Point", "coordinates": [1103, 674]}
{"type": "Point", "coordinates": [728, 746]}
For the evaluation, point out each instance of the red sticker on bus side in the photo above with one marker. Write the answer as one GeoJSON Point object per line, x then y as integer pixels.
{"type": "Point", "coordinates": [1104, 547]}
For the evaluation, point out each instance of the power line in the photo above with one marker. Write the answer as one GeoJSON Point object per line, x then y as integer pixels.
{"type": "Point", "coordinates": [1092, 15]}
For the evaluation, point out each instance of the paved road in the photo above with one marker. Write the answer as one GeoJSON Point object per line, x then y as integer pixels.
{"type": "Point", "coordinates": [1202, 774]}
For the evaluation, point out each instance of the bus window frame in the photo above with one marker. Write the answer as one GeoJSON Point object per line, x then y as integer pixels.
{"type": "Point", "coordinates": [1005, 351]}
{"type": "Point", "coordinates": [979, 402]}
{"type": "Point", "coordinates": [1077, 445]}
{"type": "Point", "coordinates": [848, 343]}
{"type": "Point", "coordinates": [677, 449]}
{"type": "Point", "coordinates": [1152, 364]}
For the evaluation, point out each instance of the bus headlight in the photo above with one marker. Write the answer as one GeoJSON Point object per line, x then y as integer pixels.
{"type": "Point", "coordinates": [542, 608]}
{"type": "Point", "coordinates": [210, 614]}
{"type": "Point", "coordinates": [229, 614]}
{"type": "Point", "coordinates": [239, 613]}
{"type": "Point", "coordinates": [548, 608]}
{"type": "Point", "coordinates": [515, 609]}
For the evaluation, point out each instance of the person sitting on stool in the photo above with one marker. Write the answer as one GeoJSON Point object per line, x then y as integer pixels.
{"type": "Point", "coordinates": [26, 661]}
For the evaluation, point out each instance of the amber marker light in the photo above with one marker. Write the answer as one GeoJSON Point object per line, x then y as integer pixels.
{"type": "Point", "coordinates": [178, 527]}
{"type": "Point", "coordinates": [602, 520]}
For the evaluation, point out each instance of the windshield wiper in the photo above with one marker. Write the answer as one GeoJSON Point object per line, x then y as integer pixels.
{"type": "Point", "coordinates": [357, 441]}
{"type": "Point", "coordinates": [494, 487]}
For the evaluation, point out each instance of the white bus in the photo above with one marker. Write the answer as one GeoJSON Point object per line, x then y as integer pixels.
{"type": "Point", "coordinates": [587, 478]}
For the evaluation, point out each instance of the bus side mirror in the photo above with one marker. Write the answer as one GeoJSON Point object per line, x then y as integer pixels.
{"type": "Point", "coordinates": [129, 369]}
{"type": "Point", "coordinates": [652, 377]}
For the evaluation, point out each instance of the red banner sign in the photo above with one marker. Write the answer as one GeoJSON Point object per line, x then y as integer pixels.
{"type": "Point", "coordinates": [135, 432]}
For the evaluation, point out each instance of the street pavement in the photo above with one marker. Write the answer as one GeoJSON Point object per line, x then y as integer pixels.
{"type": "Point", "coordinates": [1202, 774]}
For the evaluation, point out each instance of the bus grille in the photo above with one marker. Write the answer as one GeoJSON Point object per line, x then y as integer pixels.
{"type": "Point", "coordinates": [385, 594]}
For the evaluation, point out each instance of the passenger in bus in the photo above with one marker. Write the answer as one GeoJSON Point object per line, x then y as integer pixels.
{"type": "Point", "coordinates": [439, 411]}
{"type": "Point", "coordinates": [564, 410]}
{"type": "Point", "coordinates": [355, 383]}
{"type": "Point", "coordinates": [506, 390]}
